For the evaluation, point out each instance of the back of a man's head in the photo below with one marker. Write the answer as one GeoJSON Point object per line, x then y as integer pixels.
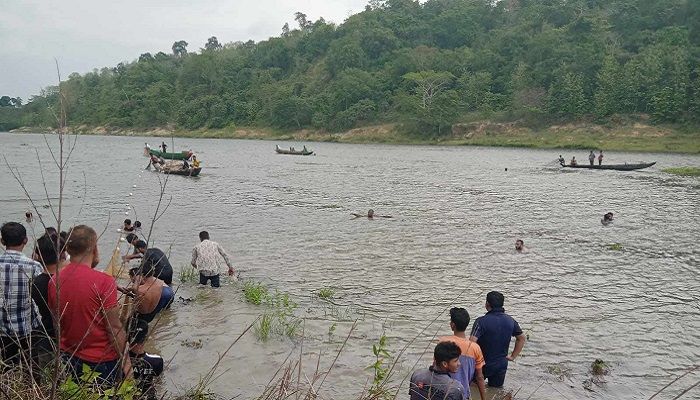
{"type": "Point", "coordinates": [48, 247]}
{"type": "Point", "coordinates": [460, 318]}
{"type": "Point", "coordinates": [81, 240]}
{"type": "Point", "coordinates": [495, 299]}
{"type": "Point", "coordinates": [446, 352]}
{"type": "Point", "coordinates": [140, 244]}
{"type": "Point", "coordinates": [203, 235]}
{"type": "Point", "coordinates": [130, 238]}
{"type": "Point", "coordinates": [13, 234]}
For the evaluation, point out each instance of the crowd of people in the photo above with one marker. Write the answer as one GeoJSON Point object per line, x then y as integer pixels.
{"type": "Point", "coordinates": [481, 358]}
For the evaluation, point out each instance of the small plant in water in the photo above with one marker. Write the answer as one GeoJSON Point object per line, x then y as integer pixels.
{"type": "Point", "coordinates": [326, 293]}
{"type": "Point", "coordinates": [599, 367]}
{"type": "Point", "coordinates": [263, 327]}
{"type": "Point", "coordinates": [87, 388]}
{"type": "Point", "coordinates": [615, 246]}
{"type": "Point", "coordinates": [193, 344]}
{"type": "Point", "coordinates": [331, 331]}
{"type": "Point", "coordinates": [380, 367]}
{"type": "Point", "coordinates": [188, 274]}
{"type": "Point", "coordinates": [560, 371]}
{"type": "Point", "coordinates": [255, 292]}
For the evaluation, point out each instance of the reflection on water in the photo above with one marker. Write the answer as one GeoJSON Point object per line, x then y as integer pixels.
{"type": "Point", "coordinates": [457, 212]}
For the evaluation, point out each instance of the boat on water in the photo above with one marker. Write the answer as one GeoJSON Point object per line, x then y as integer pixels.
{"type": "Point", "coordinates": [616, 167]}
{"type": "Point", "coordinates": [177, 169]}
{"type": "Point", "coordinates": [291, 151]}
{"type": "Point", "coordinates": [183, 155]}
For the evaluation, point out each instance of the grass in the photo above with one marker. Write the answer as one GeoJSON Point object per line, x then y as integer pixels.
{"type": "Point", "coordinates": [683, 171]}
{"type": "Point", "coordinates": [615, 247]}
{"type": "Point", "coordinates": [188, 274]}
{"type": "Point", "coordinates": [326, 293]}
{"type": "Point", "coordinates": [254, 292]}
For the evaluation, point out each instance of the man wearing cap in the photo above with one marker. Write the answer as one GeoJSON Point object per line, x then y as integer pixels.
{"type": "Point", "coordinates": [493, 332]}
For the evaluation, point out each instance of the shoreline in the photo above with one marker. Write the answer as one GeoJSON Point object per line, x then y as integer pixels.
{"type": "Point", "coordinates": [633, 137]}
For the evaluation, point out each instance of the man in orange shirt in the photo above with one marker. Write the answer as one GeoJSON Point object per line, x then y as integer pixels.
{"type": "Point", "coordinates": [471, 360]}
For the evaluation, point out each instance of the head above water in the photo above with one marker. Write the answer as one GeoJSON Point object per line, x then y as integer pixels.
{"type": "Point", "coordinates": [494, 299]}
{"type": "Point", "coordinates": [137, 224]}
{"type": "Point", "coordinates": [13, 234]}
{"type": "Point", "coordinates": [131, 238]}
{"type": "Point", "coordinates": [446, 356]}
{"type": "Point", "coordinates": [519, 245]}
{"type": "Point", "coordinates": [459, 319]}
{"type": "Point", "coordinates": [203, 235]}
{"type": "Point", "coordinates": [127, 222]}
{"type": "Point", "coordinates": [370, 213]}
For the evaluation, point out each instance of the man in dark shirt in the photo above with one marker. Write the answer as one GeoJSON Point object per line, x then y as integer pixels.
{"type": "Point", "coordinates": [435, 383]}
{"type": "Point", "coordinates": [156, 259]}
{"type": "Point", "coordinates": [493, 332]}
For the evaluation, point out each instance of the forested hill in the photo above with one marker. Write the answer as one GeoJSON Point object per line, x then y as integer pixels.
{"type": "Point", "coordinates": [425, 66]}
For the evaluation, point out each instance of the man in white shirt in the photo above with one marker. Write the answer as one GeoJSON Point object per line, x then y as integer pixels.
{"type": "Point", "coordinates": [210, 259]}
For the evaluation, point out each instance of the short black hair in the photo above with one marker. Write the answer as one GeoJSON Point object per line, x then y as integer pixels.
{"type": "Point", "coordinates": [48, 247]}
{"type": "Point", "coordinates": [495, 299]}
{"type": "Point", "coordinates": [51, 231]}
{"type": "Point", "coordinates": [140, 244]}
{"type": "Point", "coordinates": [13, 234]}
{"type": "Point", "coordinates": [131, 237]}
{"type": "Point", "coordinates": [460, 317]}
{"type": "Point", "coordinates": [127, 221]}
{"type": "Point", "coordinates": [446, 351]}
{"type": "Point", "coordinates": [137, 224]}
{"type": "Point", "coordinates": [203, 235]}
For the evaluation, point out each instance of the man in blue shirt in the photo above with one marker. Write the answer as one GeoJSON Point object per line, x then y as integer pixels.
{"type": "Point", "coordinates": [493, 332]}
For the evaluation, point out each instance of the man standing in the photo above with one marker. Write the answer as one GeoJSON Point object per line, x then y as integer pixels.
{"type": "Point", "coordinates": [435, 383]}
{"type": "Point", "coordinates": [591, 158]}
{"type": "Point", "coordinates": [19, 316]}
{"type": "Point", "coordinates": [492, 332]}
{"type": "Point", "coordinates": [155, 258]}
{"type": "Point", "coordinates": [600, 158]}
{"type": "Point", "coordinates": [472, 360]}
{"type": "Point", "coordinates": [85, 301]}
{"type": "Point", "coordinates": [211, 259]}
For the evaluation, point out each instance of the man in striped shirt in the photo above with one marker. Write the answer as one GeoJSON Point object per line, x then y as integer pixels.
{"type": "Point", "coordinates": [19, 316]}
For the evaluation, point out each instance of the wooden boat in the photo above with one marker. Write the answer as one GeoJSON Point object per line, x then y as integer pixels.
{"type": "Point", "coordinates": [177, 170]}
{"type": "Point", "coordinates": [617, 167]}
{"type": "Point", "coordinates": [291, 151]}
{"type": "Point", "coordinates": [183, 155]}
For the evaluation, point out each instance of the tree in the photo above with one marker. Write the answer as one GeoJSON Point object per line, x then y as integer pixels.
{"type": "Point", "coordinates": [608, 96]}
{"type": "Point", "coordinates": [5, 101]}
{"type": "Point", "coordinates": [300, 17]}
{"type": "Point", "coordinates": [180, 48]}
{"type": "Point", "coordinates": [285, 29]}
{"type": "Point", "coordinates": [428, 84]}
{"type": "Point", "coordinates": [145, 57]}
{"type": "Point", "coordinates": [212, 44]}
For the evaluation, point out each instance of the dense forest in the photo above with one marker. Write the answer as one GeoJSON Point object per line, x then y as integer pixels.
{"type": "Point", "coordinates": [425, 66]}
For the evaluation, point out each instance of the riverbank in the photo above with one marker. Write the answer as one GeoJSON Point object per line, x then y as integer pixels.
{"type": "Point", "coordinates": [635, 136]}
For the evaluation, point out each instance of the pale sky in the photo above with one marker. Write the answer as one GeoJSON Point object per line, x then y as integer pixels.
{"type": "Point", "coordinates": [83, 35]}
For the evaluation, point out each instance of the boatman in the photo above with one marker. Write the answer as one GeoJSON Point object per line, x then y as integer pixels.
{"type": "Point", "coordinates": [600, 158]}
{"type": "Point", "coordinates": [164, 147]}
{"type": "Point", "coordinates": [591, 158]}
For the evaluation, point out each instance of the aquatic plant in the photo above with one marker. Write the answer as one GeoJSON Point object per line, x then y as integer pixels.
{"type": "Point", "coordinates": [326, 293]}
{"type": "Point", "coordinates": [381, 368]}
{"type": "Point", "coordinates": [615, 246]}
{"type": "Point", "coordinates": [599, 367]}
{"type": "Point", "coordinates": [560, 371]}
{"type": "Point", "coordinates": [331, 330]}
{"type": "Point", "coordinates": [254, 292]}
{"type": "Point", "coordinates": [188, 274]}
{"type": "Point", "coordinates": [263, 327]}
{"type": "Point", "coordinates": [683, 171]}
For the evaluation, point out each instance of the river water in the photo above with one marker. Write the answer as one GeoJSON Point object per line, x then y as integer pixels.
{"type": "Point", "coordinates": [456, 211]}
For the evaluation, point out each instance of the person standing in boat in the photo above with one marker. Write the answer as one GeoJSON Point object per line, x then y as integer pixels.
{"type": "Point", "coordinates": [591, 158]}
{"type": "Point", "coordinates": [573, 161]}
{"type": "Point", "coordinates": [164, 147]}
{"type": "Point", "coordinates": [561, 160]}
{"type": "Point", "coordinates": [600, 158]}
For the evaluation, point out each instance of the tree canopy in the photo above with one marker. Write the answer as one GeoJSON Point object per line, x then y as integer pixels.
{"type": "Point", "coordinates": [424, 65]}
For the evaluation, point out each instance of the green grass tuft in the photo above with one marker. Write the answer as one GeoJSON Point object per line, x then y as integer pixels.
{"type": "Point", "coordinates": [683, 171]}
{"type": "Point", "coordinates": [615, 246]}
{"type": "Point", "coordinates": [326, 293]}
{"type": "Point", "coordinates": [255, 292]}
{"type": "Point", "coordinates": [188, 274]}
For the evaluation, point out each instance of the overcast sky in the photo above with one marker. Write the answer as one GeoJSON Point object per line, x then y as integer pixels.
{"type": "Point", "coordinates": [83, 35]}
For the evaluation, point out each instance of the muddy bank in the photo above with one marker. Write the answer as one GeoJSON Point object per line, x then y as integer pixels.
{"type": "Point", "coordinates": [636, 136]}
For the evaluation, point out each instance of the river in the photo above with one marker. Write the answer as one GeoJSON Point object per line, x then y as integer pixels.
{"type": "Point", "coordinates": [456, 211]}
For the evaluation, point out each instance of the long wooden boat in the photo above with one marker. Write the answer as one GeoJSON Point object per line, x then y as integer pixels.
{"type": "Point", "coordinates": [302, 152]}
{"type": "Point", "coordinates": [183, 155]}
{"type": "Point", "coordinates": [178, 171]}
{"type": "Point", "coordinates": [617, 167]}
